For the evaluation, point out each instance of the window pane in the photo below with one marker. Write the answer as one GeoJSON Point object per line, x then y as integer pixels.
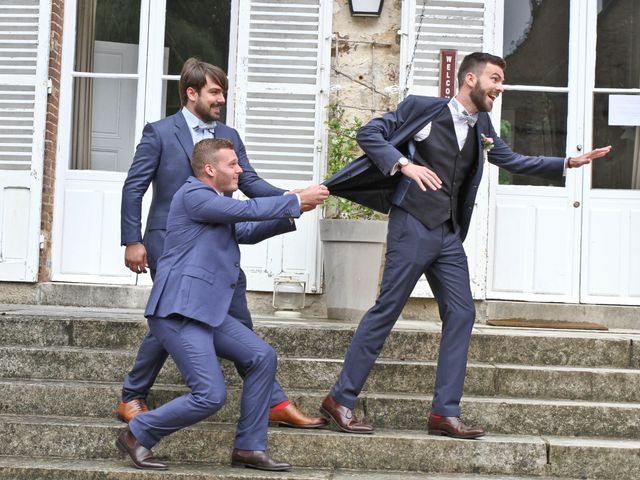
{"type": "Point", "coordinates": [194, 28]}
{"type": "Point", "coordinates": [620, 169]}
{"type": "Point", "coordinates": [533, 123]}
{"type": "Point", "coordinates": [106, 28]}
{"type": "Point", "coordinates": [618, 44]}
{"type": "Point", "coordinates": [104, 112]}
{"type": "Point", "coordinates": [536, 42]}
{"type": "Point", "coordinates": [197, 28]}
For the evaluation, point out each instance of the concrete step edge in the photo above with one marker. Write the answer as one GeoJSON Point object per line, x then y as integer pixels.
{"type": "Point", "coordinates": [319, 394]}
{"type": "Point", "coordinates": [136, 315]}
{"type": "Point", "coordinates": [215, 471]}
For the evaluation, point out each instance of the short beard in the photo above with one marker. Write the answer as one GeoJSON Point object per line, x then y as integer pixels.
{"type": "Point", "coordinates": [478, 97]}
{"type": "Point", "coordinates": [203, 113]}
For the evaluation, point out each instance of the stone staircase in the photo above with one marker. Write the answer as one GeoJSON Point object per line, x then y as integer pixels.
{"type": "Point", "coordinates": [556, 404]}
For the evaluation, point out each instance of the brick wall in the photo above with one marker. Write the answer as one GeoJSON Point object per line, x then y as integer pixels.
{"type": "Point", "coordinates": [51, 138]}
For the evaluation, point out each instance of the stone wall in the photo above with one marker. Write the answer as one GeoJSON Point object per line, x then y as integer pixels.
{"type": "Point", "coordinates": [365, 56]}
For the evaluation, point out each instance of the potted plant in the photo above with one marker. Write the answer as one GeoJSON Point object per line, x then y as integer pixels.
{"type": "Point", "coordinates": [353, 236]}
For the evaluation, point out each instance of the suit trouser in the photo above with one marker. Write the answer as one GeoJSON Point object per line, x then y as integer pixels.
{"type": "Point", "coordinates": [152, 355]}
{"type": "Point", "coordinates": [413, 249]}
{"type": "Point", "coordinates": [194, 347]}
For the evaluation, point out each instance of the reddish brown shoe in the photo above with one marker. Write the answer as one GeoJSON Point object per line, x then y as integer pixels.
{"type": "Point", "coordinates": [257, 459]}
{"type": "Point", "coordinates": [142, 457]}
{"type": "Point", "coordinates": [128, 410]}
{"type": "Point", "coordinates": [291, 416]}
{"type": "Point", "coordinates": [452, 427]}
{"type": "Point", "coordinates": [343, 417]}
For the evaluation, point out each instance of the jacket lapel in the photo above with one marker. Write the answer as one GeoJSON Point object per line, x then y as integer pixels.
{"type": "Point", "coordinates": [183, 134]}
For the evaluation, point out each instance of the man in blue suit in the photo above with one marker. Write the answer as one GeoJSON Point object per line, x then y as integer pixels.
{"type": "Point", "coordinates": [423, 164]}
{"type": "Point", "coordinates": [162, 157]}
{"type": "Point", "coordinates": [188, 309]}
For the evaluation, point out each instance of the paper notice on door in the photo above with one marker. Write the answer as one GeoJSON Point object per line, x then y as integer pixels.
{"type": "Point", "coordinates": [624, 110]}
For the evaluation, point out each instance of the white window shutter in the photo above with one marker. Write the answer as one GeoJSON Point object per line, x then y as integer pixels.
{"type": "Point", "coordinates": [24, 57]}
{"type": "Point", "coordinates": [280, 96]}
{"type": "Point", "coordinates": [278, 84]}
{"type": "Point", "coordinates": [461, 25]}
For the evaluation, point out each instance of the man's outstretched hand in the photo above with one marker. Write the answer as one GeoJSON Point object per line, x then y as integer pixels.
{"type": "Point", "coordinates": [312, 196]}
{"type": "Point", "coordinates": [577, 162]}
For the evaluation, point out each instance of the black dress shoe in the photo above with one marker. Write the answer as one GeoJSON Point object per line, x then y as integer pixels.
{"type": "Point", "coordinates": [452, 427]}
{"type": "Point", "coordinates": [142, 457]}
{"type": "Point", "coordinates": [343, 417]}
{"type": "Point", "coordinates": [257, 459]}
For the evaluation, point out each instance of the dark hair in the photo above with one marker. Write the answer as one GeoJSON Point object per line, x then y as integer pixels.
{"type": "Point", "coordinates": [205, 152]}
{"type": "Point", "coordinates": [476, 62]}
{"type": "Point", "coordinates": [194, 74]}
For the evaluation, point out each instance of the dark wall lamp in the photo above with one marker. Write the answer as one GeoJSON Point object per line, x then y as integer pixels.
{"type": "Point", "coordinates": [365, 8]}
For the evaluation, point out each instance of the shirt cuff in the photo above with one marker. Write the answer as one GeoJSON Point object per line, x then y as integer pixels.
{"type": "Point", "coordinates": [396, 168]}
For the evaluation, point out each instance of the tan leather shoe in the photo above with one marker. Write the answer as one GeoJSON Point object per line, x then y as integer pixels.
{"type": "Point", "coordinates": [343, 417]}
{"type": "Point", "coordinates": [257, 459]}
{"type": "Point", "coordinates": [452, 427]}
{"type": "Point", "coordinates": [128, 410]}
{"type": "Point", "coordinates": [291, 416]}
{"type": "Point", "coordinates": [142, 457]}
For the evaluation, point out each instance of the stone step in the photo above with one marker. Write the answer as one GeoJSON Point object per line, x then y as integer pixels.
{"type": "Point", "coordinates": [403, 411]}
{"type": "Point", "coordinates": [410, 340]}
{"type": "Point", "coordinates": [386, 450]}
{"type": "Point", "coordinates": [570, 383]}
{"type": "Point", "coordinates": [399, 450]}
{"type": "Point", "coordinates": [28, 468]}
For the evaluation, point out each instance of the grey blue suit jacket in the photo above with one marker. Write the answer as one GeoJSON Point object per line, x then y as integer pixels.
{"type": "Point", "coordinates": [384, 140]}
{"type": "Point", "coordinates": [198, 271]}
{"type": "Point", "coordinates": [163, 157]}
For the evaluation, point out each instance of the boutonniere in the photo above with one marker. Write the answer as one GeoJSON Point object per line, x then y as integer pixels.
{"type": "Point", "coordinates": [487, 145]}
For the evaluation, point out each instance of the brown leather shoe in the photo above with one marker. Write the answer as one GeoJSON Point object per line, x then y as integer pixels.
{"type": "Point", "coordinates": [142, 457]}
{"type": "Point", "coordinates": [291, 416]}
{"type": "Point", "coordinates": [257, 459]}
{"type": "Point", "coordinates": [343, 417]}
{"type": "Point", "coordinates": [452, 427]}
{"type": "Point", "coordinates": [128, 410]}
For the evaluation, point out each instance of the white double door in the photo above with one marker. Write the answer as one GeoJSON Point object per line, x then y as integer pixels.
{"type": "Point", "coordinates": [577, 240]}
{"type": "Point", "coordinates": [117, 77]}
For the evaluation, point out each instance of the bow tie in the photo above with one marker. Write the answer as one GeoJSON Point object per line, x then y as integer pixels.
{"type": "Point", "coordinates": [469, 118]}
{"type": "Point", "coordinates": [210, 126]}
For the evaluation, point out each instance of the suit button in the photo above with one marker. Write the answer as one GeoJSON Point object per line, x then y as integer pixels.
{"type": "Point", "coordinates": [237, 264]}
{"type": "Point", "coordinates": [233, 285]}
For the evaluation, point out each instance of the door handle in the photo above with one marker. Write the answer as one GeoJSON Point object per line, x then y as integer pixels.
{"type": "Point", "coordinates": [579, 147]}
{"type": "Point", "coordinates": [576, 204]}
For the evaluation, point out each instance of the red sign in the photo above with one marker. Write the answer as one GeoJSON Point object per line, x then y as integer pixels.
{"type": "Point", "coordinates": [447, 73]}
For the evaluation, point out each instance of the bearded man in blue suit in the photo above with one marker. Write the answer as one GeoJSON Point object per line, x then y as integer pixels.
{"type": "Point", "coordinates": [189, 304]}
{"type": "Point", "coordinates": [423, 164]}
{"type": "Point", "coordinates": [162, 158]}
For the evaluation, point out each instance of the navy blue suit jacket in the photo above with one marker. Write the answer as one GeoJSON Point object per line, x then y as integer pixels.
{"type": "Point", "coordinates": [199, 268]}
{"type": "Point", "coordinates": [384, 140]}
{"type": "Point", "coordinates": [163, 157]}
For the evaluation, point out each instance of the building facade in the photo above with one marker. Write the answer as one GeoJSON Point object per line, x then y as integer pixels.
{"type": "Point", "coordinates": [81, 78]}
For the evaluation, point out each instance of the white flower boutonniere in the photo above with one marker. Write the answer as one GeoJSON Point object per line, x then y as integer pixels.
{"type": "Point", "coordinates": [487, 145]}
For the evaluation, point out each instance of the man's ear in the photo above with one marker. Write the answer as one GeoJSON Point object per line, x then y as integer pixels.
{"type": "Point", "coordinates": [470, 79]}
{"type": "Point", "coordinates": [210, 170]}
{"type": "Point", "coordinates": [192, 93]}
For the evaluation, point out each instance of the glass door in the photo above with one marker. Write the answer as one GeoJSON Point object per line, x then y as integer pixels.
{"type": "Point", "coordinates": [573, 74]}
{"type": "Point", "coordinates": [120, 68]}
{"type": "Point", "coordinates": [610, 271]}
{"type": "Point", "coordinates": [534, 239]}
